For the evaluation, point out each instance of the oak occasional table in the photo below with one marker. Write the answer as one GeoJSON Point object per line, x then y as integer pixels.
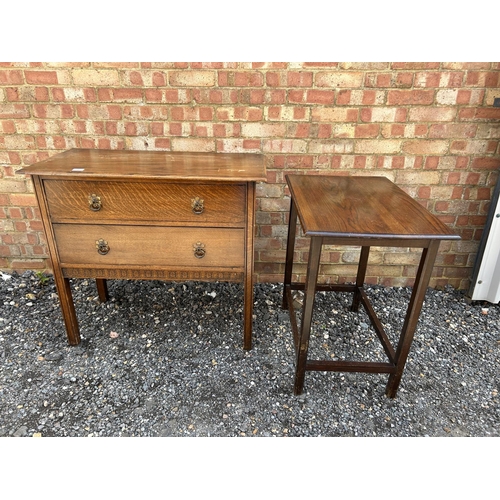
{"type": "Point", "coordinates": [172, 216]}
{"type": "Point", "coordinates": [363, 212]}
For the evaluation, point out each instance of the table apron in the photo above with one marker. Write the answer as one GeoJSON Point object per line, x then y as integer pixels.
{"type": "Point", "coordinates": [377, 242]}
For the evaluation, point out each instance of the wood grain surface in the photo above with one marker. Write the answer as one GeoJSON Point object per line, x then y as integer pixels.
{"type": "Point", "coordinates": [343, 206]}
{"type": "Point", "coordinates": [150, 246]}
{"type": "Point", "coordinates": [152, 164]}
{"type": "Point", "coordinates": [223, 204]}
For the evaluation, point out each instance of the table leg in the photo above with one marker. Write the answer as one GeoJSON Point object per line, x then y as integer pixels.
{"type": "Point", "coordinates": [290, 248]}
{"type": "Point", "coordinates": [248, 313]}
{"type": "Point", "coordinates": [360, 278]}
{"type": "Point", "coordinates": [248, 281]}
{"type": "Point", "coordinates": [414, 308]}
{"type": "Point", "coordinates": [102, 289]}
{"type": "Point", "coordinates": [307, 310]}
{"type": "Point", "coordinates": [67, 307]}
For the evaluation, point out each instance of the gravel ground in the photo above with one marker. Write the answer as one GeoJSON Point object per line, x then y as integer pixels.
{"type": "Point", "coordinates": [166, 359]}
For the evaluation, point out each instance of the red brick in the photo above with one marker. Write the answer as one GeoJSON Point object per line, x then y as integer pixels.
{"type": "Point", "coordinates": [466, 113]}
{"type": "Point", "coordinates": [246, 79]}
{"type": "Point", "coordinates": [251, 144]}
{"type": "Point", "coordinates": [111, 128]}
{"type": "Point", "coordinates": [410, 97]}
{"type": "Point", "coordinates": [404, 80]}
{"type": "Point", "coordinates": [41, 94]}
{"type": "Point", "coordinates": [8, 127]}
{"type": "Point", "coordinates": [130, 129]}
{"type": "Point", "coordinates": [369, 130]}
{"type": "Point", "coordinates": [483, 193]}
{"type": "Point", "coordinates": [135, 78]}
{"type": "Point", "coordinates": [343, 97]}
{"type": "Point", "coordinates": [369, 97]}
{"type": "Point", "coordinates": [431, 163]}
{"type": "Point", "coordinates": [359, 162]}
{"type": "Point", "coordinates": [157, 129]}
{"type": "Point", "coordinates": [487, 114]}
{"type": "Point", "coordinates": [299, 130]}
{"type": "Point", "coordinates": [41, 77]}
{"type": "Point", "coordinates": [273, 79]}
{"type": "Point", "coordinates": [378, 80]}
{"type": "Point", "coordinates": [23, 199]}
{"type": "Point", "coordinates": [424, 192]}
{"type": "Point", "coordinates": [11, 77]}
{"type": "Point", "coordinates": [127, 94]}
{"type": "Point", "coordinates": [482, 78]}
{"type": "Point", "coordinates": [320, 96]}
{"type": "Point", "coordinates": [162, 144]}
{"type": "Point", "coordinates": [58, 94]}
{"type": "Point", "coordinates": [299, 79]}
{"type": "Point", "coordinates": [296, 96]}
{"type": "Point", "coordinates": [153, 95]}
{"type": "Point", "coordinates": [324, 131]}
{"type": "Point", "coordinates": [473, 178]}
{"type": "Point", "coordinates": [159, 79]}
{"type": "Point", "coordinates": [104, 94]}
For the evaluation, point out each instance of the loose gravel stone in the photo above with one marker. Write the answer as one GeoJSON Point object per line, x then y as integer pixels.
{"type": "Point", "coordinates": [166, 359]}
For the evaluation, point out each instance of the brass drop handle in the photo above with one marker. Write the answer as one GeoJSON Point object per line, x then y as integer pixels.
{"type": "Point", "coordinates": [102, 247]}
{"type": "Point", "coordinates": [199, 250]}
{"type": "Point", "coordinates": [197, 205]}
{"type": "Point", "coordinates": [95, 203]}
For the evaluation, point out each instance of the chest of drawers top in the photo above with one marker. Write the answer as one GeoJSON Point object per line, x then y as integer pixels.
{"type": "Point", "coordinates": [160, 165]}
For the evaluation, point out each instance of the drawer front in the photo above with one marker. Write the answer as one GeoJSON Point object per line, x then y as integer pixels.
{"type": "Point", "coordinates": [153, 246]}
{"type": "Point", "coordinates": [99, 201]}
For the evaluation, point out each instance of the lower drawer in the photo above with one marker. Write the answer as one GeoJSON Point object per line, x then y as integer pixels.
{"type": "Point", "coordinates": [154, 246]}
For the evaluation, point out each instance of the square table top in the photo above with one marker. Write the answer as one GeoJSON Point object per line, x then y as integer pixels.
{"type": "Point", "coordinates": [361, 206]}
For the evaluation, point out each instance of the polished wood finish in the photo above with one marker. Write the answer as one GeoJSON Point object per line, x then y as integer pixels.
{"type": "Point", "coordinates": [148, 215]}
{"type": "Point", "coordinates": [365, 212]}
{"type": "Point", "coordinates": [222, 204]}
{"type": "Point", "coordinates": [182, 166]}
{"type": "Point", "coordinates": [374, 207]}
{"type": "Point", "coordinates": [150, 246]}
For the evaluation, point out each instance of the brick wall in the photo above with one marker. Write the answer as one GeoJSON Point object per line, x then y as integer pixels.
{"type": "Point", "coordinates": [429, 127]}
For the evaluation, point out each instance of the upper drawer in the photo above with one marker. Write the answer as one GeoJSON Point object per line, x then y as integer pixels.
{"type": "Point", "coordinates": [107, 201]}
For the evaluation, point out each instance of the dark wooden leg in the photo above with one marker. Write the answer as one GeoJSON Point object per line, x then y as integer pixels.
{"type": "Point", "coordinates": [67, 307]}
{"type": "Point", "coordinates": [62, 283]}
{"type": "Point", "coordinates": [102, 289]}
{"type": "Point", "coordinates": [290, 247]}
{"type": "Point", "coordinates": [248, 314]}
{"type": "Point", "coordinates": [307, 310]}
{"type": "Point", "coordinates": [248, 282]}
{"type": "Point", "coordinates": [414, 308]}
{"type": "Point", "coordinates": [360, 278]}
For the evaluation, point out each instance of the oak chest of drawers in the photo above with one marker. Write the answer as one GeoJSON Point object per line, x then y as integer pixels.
{"type": "Point", "coordinates": [171, 216]}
